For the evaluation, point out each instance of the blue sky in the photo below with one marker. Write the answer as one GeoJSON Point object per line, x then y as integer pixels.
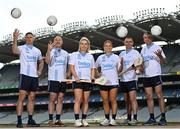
{"type": "Point", "coordinates": [35, 12]}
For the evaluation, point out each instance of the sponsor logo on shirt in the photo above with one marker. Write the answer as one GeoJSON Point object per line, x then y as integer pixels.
{"type": "Point", "coordinates": [149, 57]}
{"type": "Point", "coordinates": [83, 64]}
{"type": "Point", "coordinates": [31, 58]}
{"type": "Point", "coordinates": [107, 66]}
{"type": "Point", "coordinates": [59, 62]}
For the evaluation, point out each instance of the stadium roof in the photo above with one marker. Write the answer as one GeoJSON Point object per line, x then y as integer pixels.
{"type": "Point", "coordinates": [105, 28]}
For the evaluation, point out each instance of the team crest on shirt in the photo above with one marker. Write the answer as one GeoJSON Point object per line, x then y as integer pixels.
{"type": "Point", "coordinates": [27, 50]}
{"type": "Point", "coordinates": [78, 56]}
{"type": "Point", "coordinates": [56, 53]}
{"type": "Point", "coordinates": [144, 50]}
{"type": "Point", "coordinates": [126, 62]}
{"type": "Point", "coordinates": [103, 59]}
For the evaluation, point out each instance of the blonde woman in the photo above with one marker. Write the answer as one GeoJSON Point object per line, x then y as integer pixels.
{"type": "Point", "coordinates": [82, 68]}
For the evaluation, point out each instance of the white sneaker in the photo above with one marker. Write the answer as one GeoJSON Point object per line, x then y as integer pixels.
{"type": "Point", "coordinates": [126, 122]}
{"type": "Point", "coordinates": [133, 122]}
{"type": "Point", "coordinates": [105, 122]}
{"type": "Point", "coordinates": [78, 123]}
{"type": "Point", "coordinates": [113, 122]}
{"type": "Point", "coordinates": [85, 123]}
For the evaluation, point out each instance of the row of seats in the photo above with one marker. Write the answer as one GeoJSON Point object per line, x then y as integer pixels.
{"type": "Point", "coordinates": [10, 73]}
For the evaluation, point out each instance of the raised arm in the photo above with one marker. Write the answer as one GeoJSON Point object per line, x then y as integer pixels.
{"type": "Point", "coordinates": [159, 54]}
{"type": "Point", "coordinates": [48, 56]}
{"type": "Point", "coordinates": [15, 49]}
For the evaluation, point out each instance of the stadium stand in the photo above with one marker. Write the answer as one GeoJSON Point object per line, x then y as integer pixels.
{"type": "Point", "coordinates": [9, 76]}
{"type": "Point", "coordinates": [172, 53]}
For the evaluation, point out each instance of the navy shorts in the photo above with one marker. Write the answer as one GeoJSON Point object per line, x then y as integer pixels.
{"type": "Point", "coordinates": [107, 87]}
{"type": "Point", "coordinates": [152, 81]}
{"type": "Point", "coordinates": [126, 87]}
{"type": "Point", "coordinates": [82, 85]}
{"type": "Point", "coordinates": [28, 83]}
{"type": "Point", "coordinates": [56, 86]}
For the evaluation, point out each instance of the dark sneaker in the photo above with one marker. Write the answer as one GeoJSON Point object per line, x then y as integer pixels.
{"type": "Point", "coordinates": [19, 125]}
{"type": "Point", "coordinates": [150, 122]}
{"type": "Point", "coordinates": [162, 122]}
{"type": "Point", "coordinates": [58, 123]}
{"type": "Point", "coordinates": [32, 123]}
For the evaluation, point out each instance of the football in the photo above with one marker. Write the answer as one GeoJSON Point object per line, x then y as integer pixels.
{"type": "Point", "coordinates": [16, 13]}
{"type": "Point", "coordinates": [156, 30]}
{"type": "Point", "coordinates": [51, 20]}
{"type": "Point", "coordinates": [122, 31]}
